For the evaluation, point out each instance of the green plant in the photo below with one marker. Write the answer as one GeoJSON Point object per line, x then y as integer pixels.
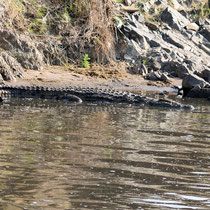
{"type": "Point", "coordinates": [119, 21]}
{"type": "Point", "coordinates": [42, 11]}
{"type": "Point", "coordinates": [38, 26]}
{"type": "Point", "coordinates": [85, 61]}
{"type": "Point", "coordinates": [144, 61]}
{"type": "Point", "coordinates": [205, 11]}
{"type": "Point", "coordinates": [66, 17]}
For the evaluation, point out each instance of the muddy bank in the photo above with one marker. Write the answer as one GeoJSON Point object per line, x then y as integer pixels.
{"type": "Point", "coordinates": [56, 76]}
{"type": "Point", "coordinates": [121, 41]}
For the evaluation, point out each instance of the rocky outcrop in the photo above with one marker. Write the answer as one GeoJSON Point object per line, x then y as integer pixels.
{"type": "Point", "coordinates": [174, 19]}
{"type": "Point", "coordinates": [9, 67]}
{"type": "Point", "coordinates": [175, 46]}
{"type": "Point", "coordinates": [195, 87]}
{"type": "Point", "coordinates": [191, 80]}
{"type": "Point", "coordinates": [22, 48]}
{"type": "Point", "coordinates": [157, 39]}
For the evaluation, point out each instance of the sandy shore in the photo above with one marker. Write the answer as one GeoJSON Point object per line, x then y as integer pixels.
{"type": "Point", "coordinates": [56, 76]}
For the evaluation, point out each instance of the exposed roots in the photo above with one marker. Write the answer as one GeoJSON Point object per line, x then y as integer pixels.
{"type": "Point", "coordinates": [90, 29]}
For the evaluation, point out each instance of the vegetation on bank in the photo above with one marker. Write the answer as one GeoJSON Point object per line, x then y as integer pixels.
{"type": "Point", "coordinates": [86, 27]}
{"type": "Point", "coordinates": [85, 23]}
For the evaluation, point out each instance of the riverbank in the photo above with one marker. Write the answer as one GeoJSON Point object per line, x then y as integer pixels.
{"type": "Point", "coordinates": [129, 45]}
{"type": "Point", "coordinates": [57, 76]}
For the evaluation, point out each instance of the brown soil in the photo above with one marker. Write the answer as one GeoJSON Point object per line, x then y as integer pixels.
{"type": "Point", "coordinates": [112, 70]}
{"type": "Point", "coordinates": [56, 76]}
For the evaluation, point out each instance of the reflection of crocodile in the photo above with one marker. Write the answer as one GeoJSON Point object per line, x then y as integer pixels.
{"type": "Point", "coordinates": [84, 94]}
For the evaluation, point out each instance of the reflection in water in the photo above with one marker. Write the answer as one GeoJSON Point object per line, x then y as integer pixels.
{"type": "Point", "coordinates": [66, 156]}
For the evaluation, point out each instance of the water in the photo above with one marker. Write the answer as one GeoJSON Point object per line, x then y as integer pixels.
{"type": "Point", "coordinates": [103, 156]}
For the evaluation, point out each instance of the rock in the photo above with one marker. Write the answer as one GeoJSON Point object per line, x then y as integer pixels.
{"type": "Point", "coordinates": [146, 6]}
{"type": "Point", "coordinates": [164, 77]}
{"type": "Point", "coordinates": [130, 9]}
{"type": "Point", "coordinates": [133, 51]}
{"type": "Point", "coordinates": [154, 76]}
{"type": "Point", "coordinates": [170, 38]}
{"type": "Point", "coordinates": [157, 76]}
{"type": "Point", "coordinates": [174, 19]}
{"type": "Point", "coordinates": [1, 80]}
{"type": "Point", "coordinates": [176, 5]}
{"type": "Point", "coordinates": [138, 17]}
{"type": "Point", "coordinates": [205, 49]}
{"type": "Point", "coordinates": [205, 74]}
{"type": "Point", "coordinates": [200, 21]}
{"type": "Point", "coordinates": [128, 2]}
{"type": "Point", "coordinates": [154, 43]}
{"type": "Point", "coordinates": [22, 48]}
{"type": "Point", "coordinates": [194, 64]}
{"type": "Point", "coordinates": [198, 92]}
{"type": "Point", "coordinates": [5, 70]}
{"type": "Point", "coordinates": [15, 67]}
{"type": "Point", "coordinates": [9, 67]}
{"type": "Point", "coordinates": [154, 64]}
{"type": "Point", "coordinates": [143, 70]}
{"type": "Point", "coordinates": [139, 36]}
{"type": "Point", "coordinates": [178, 52]}
{"type": "Point", "coordinates": [205, 31]}
{"type": "Point", "coordinates": [152, 26]}
{"type": "Point", "coordinates": [192, 26]}
{"type": "Point", "coordinates": [180, 69]}
{"type": "Point", "coordinates": [191, 80]}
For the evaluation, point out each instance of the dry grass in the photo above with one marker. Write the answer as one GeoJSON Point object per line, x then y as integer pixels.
{"type": "Point", "coordinates": [14, 12]}
{"type": "Point", "coordinates": [89, 24]}
{"type": "Point", "coordinates": [92, 28]}
{"type": "Point", "coordinates": [101, 29]}
{"type": "Point", "coordinates": [111, 70]}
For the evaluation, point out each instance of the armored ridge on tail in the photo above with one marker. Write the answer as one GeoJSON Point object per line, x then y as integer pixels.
{"type": "Point", "coordinates": [77, 94]}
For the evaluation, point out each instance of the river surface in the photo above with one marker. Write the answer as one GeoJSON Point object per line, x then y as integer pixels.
{"type": "Point", "coordinates": [103, 156]}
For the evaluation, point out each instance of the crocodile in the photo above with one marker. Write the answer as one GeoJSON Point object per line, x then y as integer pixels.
{"type": "Point", "coordinates": [78, 95]}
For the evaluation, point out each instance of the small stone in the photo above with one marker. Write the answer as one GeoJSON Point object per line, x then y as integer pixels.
{"type": "Point", "coordinates": [143, 71]}
{"type": "Point", "coordinates": [127, 2]}
{"type": "Point", "coordinates": [192, 26]}
{"type": "Point", "coordinates": [152, 26]}
{"type": "Point", "coordinates": [164, 77]}
{"type": "Point", "coordinates": [154, 76]}
{"type": "Point", "coordinates": [130, 9]}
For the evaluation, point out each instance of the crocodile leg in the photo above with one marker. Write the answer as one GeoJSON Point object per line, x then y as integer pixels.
{"type": "Point", "coordinates": [73, 98]}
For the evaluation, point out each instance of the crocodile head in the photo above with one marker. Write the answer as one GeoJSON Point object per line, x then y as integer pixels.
{"type": "Point", "coordinates": [170, 104]}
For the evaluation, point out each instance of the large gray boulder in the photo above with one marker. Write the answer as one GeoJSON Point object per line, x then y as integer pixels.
{"type": "Point", "coordinates": [198, 92]}
{"type": "Point", "coordinates": [191, 80]}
